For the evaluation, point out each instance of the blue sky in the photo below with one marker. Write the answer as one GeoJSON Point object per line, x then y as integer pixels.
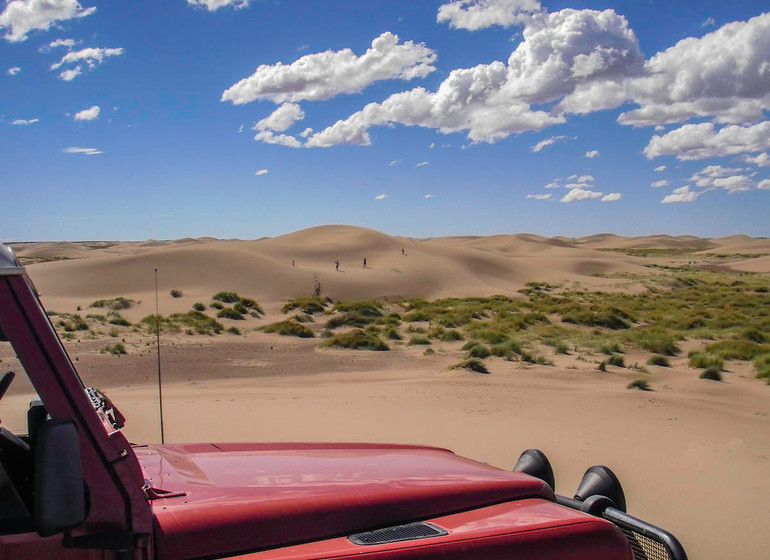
{"type": "Point", "coordinates": [237, 118]}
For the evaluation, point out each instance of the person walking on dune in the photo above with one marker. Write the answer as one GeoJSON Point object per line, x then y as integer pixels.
{"type": "Point", "coordinates": [336, 265]}
{"type": "Point", "coordinates": [364, 262]}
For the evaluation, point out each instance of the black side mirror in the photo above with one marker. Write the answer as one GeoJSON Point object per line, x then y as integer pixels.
{"type": "Point", "coordinates": [60, 501]}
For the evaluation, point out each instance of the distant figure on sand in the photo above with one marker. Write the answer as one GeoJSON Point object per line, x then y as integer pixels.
{"type": "Point", "coordinates": [402, 251]}
{"type": "Point", "coordinates": [364, 262]}
{"type": "Point", "coordinates": [292, 262]}
{"type": "Point", "coordinates": [336, 264]}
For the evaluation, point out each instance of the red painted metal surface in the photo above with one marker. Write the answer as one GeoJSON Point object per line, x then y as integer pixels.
{"type": "Point", "coordinates": [529, 529]}
{"type": "Point", "coordinates": [252, 496]}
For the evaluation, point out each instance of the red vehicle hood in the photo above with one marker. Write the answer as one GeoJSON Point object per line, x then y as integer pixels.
{"type": "Point", "coordinates": [248, 497]}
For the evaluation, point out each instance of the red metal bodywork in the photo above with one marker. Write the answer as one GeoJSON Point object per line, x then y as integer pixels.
{"type": "Point", "coordinates": [282, 501]}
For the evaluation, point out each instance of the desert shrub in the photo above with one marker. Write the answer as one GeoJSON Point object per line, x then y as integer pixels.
{"type": "Point", "coordinates": [116, 349]}
{"type": "Point", "coordinates": [429, 352]}
{"type": "Point", "coordinates": [506, 349]}
{"type": "Point", "coordinates": [658, 360]}
{"type": "Point", "coordinates": [656, 341]}
{"type": "Point", "coordinates": [419, 340]}
{"type": "Point", "coordinates": [289, 328]}
{"type": "Point", "coordinates": [326, 334]}
{"type": "Point", "coordinates": [611, 349]}
{"type": "Point", "coordinates": [562, 348]}
{"type": "Point", "coordinates": [356, 339]}
{"type": "Point", "coordinates": [349, 319]}
{"type": "Point", "coordinates": [478, 351]}
{"type": "Point", "coordinates": [608, 318]}
{"type": "Point", "coordinates": [192, 320]}
{"type": "Point", "coordinates": [704, 360]}
{"type": "Point", "coordinates": [72, 323]}
{"type": "Point", "coordinates": [230, 313]}
{"type": "Point", "coordinates": [363, 308]}
{"type": "Point", "coordinates": [762, 365]}
{"type": "Point", "coordinates": [176, 293]}
{"type": "Point", "coordinates": [415, 329]}
{"type": "Point", "coordinates": [302, 318]}
{"type": "Point", "coordinates": [114, 318]}
{"type": "Point", "coordinates": [392, 333]}
{"type": "Point", "coordinates": [417, 316]}
{"type": "Point", "coordinates": [97, 317]}
{"type": "Point", "coordinates": [602, 366]}
{"type": "Point", "coordinates": [491, 336]}
{"type": "Point", "coordinates": [616, 360]}
{"type": "Point", "coordinates": [472, 364]}
{"type": "Point", "coordinates": [234, 330]}
{"type": "Point", "coordinates": [450, 335]}
{"type": "Point", "coordinates": [753, 334]}
{"type": "Point", "coordinates": [217, 305]}
{"type": "Point", "coordinates": [113, 333]}
{"type": "Point", "coordinates": [115, 304]}
{"type": "Point", "coordinates": [248, 303]}
{"type": "Point", "coordinates": [311, 305]}
{"type": "Point", "coordinates": [736, 349]}
{"type": "Point", "coordinates": [199, 307]}
{"type": "Point", "coordinates": [226, 297]}
{"type": "Point", "coordinates": [640, 384]}
{"type": "Point", "coordinates": [712, 372]}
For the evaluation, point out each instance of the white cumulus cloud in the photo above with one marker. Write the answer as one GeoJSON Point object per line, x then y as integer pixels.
{"type": "Point", "coordinates": [22, 16]}
{"type": "Point", "coordinates": [577, 194]}
{"type": "Point", "coordinates": [421, 164]}
{"type": "Point", "coordinates": [24, 122]}
{"type": "Point", "coordinates": [84, 151]}
{"type": "Point", "coordinates": [764, 185]}
{"type": "Point", "coordinates": [701, 141]}
{"type": "Point", "coordinates": [282, 118]}
{"type": "Point", "coordinates": [213, 5]}
{"type": "Point", "coordinates": [725, 75]}
{"type": "Point", "coordinates": [661, 183]}
{"type": "Point", "coordinates": [13, 71]}
{"type": "Point", "coordinates": [430, 195]}
{"type": "Point", "coordinates": [591, 154]}
{"type": "Point", "coordinates": [682, 194]}
{"type": "Point", "coordinates": [261, 172]}
{"type": "Point", "coordinates": [91, 57]}
{"type": "Point", "coordinates": [540, 196]}
{"type": "Point", "coordinates": [479, 14]}
{"type": "Point", "coordinates": [660, 168]}
{"type": "Point", "coordinates": [380, 196]}
{"type": "Point", "coordinates": [762, 160]}
{"type": "Point", "coordinates": [569, 55]}
{"type": "Point", "coordinates": [324, 75]}
{"type": "Point", "coordinates": [547, 142]}
{"type": "Point", "coordinates": [270, 137]}
{"type": "Point", "coordinates": [88, 114]}
{"type": "Point", "coordinates": [612, 197]}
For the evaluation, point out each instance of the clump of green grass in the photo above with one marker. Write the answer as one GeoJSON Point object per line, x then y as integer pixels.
{"type": "Point", "coordinates": [492, 336]}
{"type": "Point", "coordinates": [610, 349]}
{"type": "Point", "coordinates": [603, 316]}
{"type": "Point", "coordinates": [704, 360]}
{"type": "Point", "coordinates": [310, 305]}
{"type": "Point", "coordinates": [226, 297]}
{"type": "Point", "coordinates": [199, 307]}
{"type": "Point", "coordinates": [417, 316]}
{"type": "Point", "coordinates": [507, 349]}
{"type": "Point", "coordinates": [754, 334]}
{"type": "Point", "coordinates": [364, 308]}
{"type": "Point", "coordinates": [472, 364]}
{"type": "Point", "coordinates": [230, 313]}
{"type": "Point", "coordinates": [176, 293]}
{"type": "Point", "coordinates": [422, 340]}
{"type": "Point", "coordinates": [216, 305]}
{"type": "Point", "coordinates": [116, 349]}
{"type": "Point", "coordinates": [450, 335]}
{"type": "Point", "coordinates": [356, 339]}
{"type": "Point", "coordinates": [415, 329]}
{"type": "Point", "coordinates": [72, 323]}
{"type": "Point", "coordinates": [289, 328]}
{"type": "Point", "coordinates": [113, 333]}
{"type": "Point", "coordinates": [640, 384]}
{"type": "Point", "coordinates": [655, 340]}
{"type": "Point", "coordinates": [762, 365]}
{"type": "Point", "coordinates": [562, 348]}
{"type": "Point", "coordinates": [234, 330]}
{"type": "Point", "coordinates": [349, 319]}
{"type": "Point", "coordinates": [616, 360]}
{"type": "Point", "coordinates": [115, 304]}
{"type": "Point", "coordinates": [429, 352]}
{"type": "Point", "coordinates": [392, 333]}
{"type": "Point", "coordinates": [712, 372]}
{"type": "Point", "coordinates": [736, 349]}
{"type": "Point", "coordinates": [302, 318]}
{"type": "Point", "coordinates": [658, 360]}
{"type": "Point", "coordinates": [114, 318]}
{"type": "Point", "coordinates": [251, 305]}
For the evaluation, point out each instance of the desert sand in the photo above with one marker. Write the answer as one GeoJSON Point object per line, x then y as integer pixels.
{"type": "Point", "coordinates": [693, 455]}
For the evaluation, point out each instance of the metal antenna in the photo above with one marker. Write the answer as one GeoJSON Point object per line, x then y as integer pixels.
{"type": "Point", "coordinates": [157, 344]}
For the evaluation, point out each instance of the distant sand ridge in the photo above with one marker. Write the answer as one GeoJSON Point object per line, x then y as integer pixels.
{"type": "Point", "coordinates": [431, 268]}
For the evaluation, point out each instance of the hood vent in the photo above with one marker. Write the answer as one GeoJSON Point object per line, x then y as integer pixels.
{"type": "Point", "coordinates": [399, 533]}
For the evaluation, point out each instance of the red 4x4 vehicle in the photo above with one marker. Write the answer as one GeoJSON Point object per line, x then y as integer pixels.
{"type": "Point", "coordinates": [74, 487]}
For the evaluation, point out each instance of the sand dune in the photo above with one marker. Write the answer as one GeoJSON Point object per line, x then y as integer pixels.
{"type": "Point", "coordinates": [747, 246]}
{"type": "Point", "coordinates": [263, 269]}
{"type": "Point", "coordinates": [611, 241]}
